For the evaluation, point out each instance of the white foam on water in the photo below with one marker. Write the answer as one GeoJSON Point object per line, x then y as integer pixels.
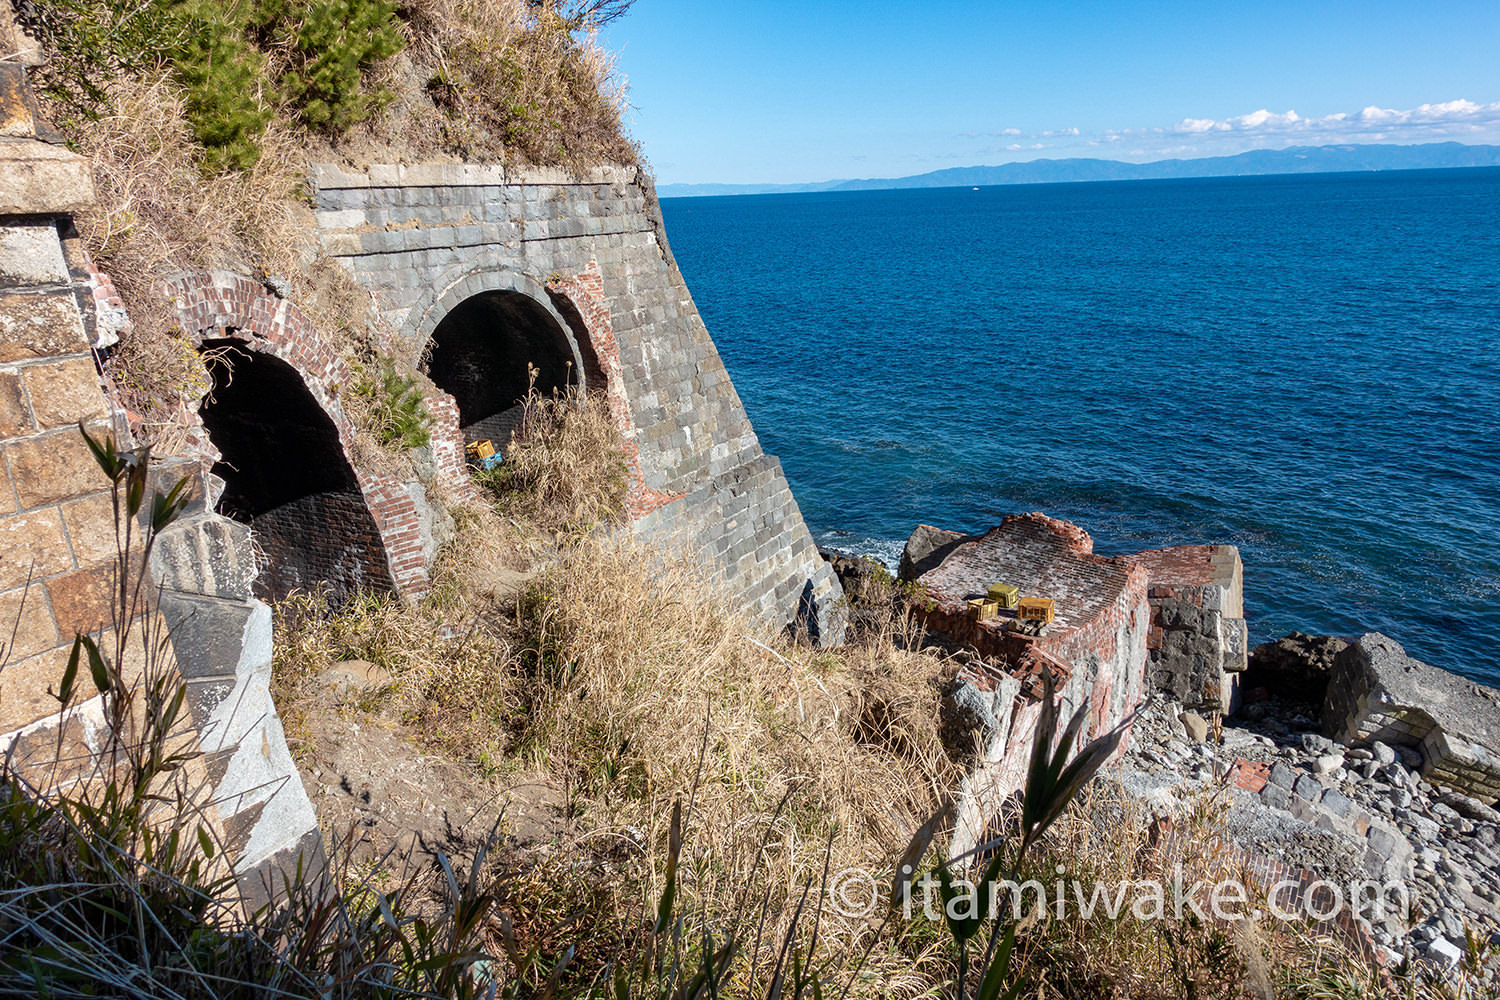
{"type": "Point", "coordinates": [886, 550]}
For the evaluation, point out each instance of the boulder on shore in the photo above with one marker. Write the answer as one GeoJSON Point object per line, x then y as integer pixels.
{"type": "Point", "coordinates": [926, 549]}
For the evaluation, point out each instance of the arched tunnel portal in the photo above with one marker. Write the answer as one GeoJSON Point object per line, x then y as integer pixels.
{"type": "Point", "coordinates": [484, 352]}
{"type": "Point", "coordinates": [285, 474]}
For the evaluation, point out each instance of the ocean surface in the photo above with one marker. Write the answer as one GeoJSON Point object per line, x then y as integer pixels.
{"type": "Point", "coordinates": [1307, 367]}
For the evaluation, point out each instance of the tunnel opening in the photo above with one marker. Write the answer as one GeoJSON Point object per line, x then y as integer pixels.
{"type": "Point", "coordinates": [286, 476]}
{"type": "Point", "coordinates": [484, 352]}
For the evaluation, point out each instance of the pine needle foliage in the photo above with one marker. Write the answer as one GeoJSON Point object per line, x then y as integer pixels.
{"type": "Point", "coordinates": [237, 62]}
{"type": "Point", "coordinates": [223, 78]}
{"type": "Point", "coordinates": [325, 47]}
{"type": "Point", "coordinates": [393, 405]}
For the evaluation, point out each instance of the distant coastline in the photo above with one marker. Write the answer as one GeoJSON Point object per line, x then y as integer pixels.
{"type": "Point", "coordinates": [1292, 160]}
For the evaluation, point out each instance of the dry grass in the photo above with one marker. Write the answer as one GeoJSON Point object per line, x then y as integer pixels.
{"type": "Point", "coordinates": [504, 80]}
{"type": "Point", "coordinates": [1108, 839]}
{"type": "Point", "coordinates": [564, 471]}
{"type": "Point", "coordinates": [624, 671]}
{"type": "Point", "coordinates": [158, 213]}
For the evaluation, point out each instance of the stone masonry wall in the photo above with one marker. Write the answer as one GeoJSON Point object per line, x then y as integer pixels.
{"type": "Point", "coordinates": [1198, 641]}
{"type": "Point", "coordinates": [57, 543]}
{"type": "Point", "coordinates": [424, 238]}
{"type": "Point", "coordinates": [57, 531]}
{"type": "Point", "coordinates": [1377, 692]}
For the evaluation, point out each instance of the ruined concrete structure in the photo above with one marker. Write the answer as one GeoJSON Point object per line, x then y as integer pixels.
{"type": "Point", "coordinates": [1377, 692]}
{"type": "Point", "coordinates": [1198, 637]}
{"type": "Point", "coordinates": [1168, 620]}
{"type": "Point", "coordinates": [1100, 604]}
{"type": "Point", "coordinates": [1094, 650]}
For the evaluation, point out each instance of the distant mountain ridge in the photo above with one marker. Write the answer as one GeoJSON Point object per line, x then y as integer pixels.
{"type": "Point", "coordinates": [1292, 160]}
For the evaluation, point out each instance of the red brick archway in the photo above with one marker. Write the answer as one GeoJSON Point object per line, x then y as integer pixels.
{"type": "Point", "coordinates": [580, 299]}
{"type": "Point", "coordinates": [220, 305]}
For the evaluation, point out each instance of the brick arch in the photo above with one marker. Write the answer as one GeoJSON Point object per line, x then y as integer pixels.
{"type": "Point", "coordinates": [581, 298]}
{"type": "Point", "coordinates": [455, 288]}
{"type": "Point", "coordinates": [213, 305]}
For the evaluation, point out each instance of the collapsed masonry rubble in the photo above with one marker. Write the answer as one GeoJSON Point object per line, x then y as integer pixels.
{"type": "Point", "coordinates": [1346, 761]}
{"type": "Point", "coordinates": [1377, 692]}
{"type": "Point", "coordinates": [1325, 810]}
{"type": "Point", "coordinates": [1169, 620]}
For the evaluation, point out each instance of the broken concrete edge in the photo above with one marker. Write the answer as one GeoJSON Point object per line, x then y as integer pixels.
{"type": "Point", "coordinates": [1377, 692]}
{"type": "Point", "coordinates": [223, 645]}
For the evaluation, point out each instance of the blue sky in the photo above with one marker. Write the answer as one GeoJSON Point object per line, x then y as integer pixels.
{"type": "Point", "coordinates": [778, 92]}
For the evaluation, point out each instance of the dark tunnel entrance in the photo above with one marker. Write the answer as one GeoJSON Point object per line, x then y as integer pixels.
{"type": "Point", "coordinates": [286, 476]}
{"type": "Point", "coordinates": [479, 355]}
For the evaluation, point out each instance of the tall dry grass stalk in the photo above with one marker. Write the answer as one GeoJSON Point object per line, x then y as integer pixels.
{"type": "Point", "coordinates": [1109, 838]}
{"type": "Point", "coordinates": [564, 471]}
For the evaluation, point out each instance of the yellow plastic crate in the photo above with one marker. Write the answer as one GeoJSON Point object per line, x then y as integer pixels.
{"type": "Point", "coordinates": [981, 609]}
{"type": "Point", "coordinates": [1004, 594]}
{"type": "Point", "coordinates": [479, 449]}
{"type": "Point", "coordinates": [1034, 609]}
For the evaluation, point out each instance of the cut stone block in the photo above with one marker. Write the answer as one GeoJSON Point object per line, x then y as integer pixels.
{"type": "Point", "coordinates": [1377, 692]}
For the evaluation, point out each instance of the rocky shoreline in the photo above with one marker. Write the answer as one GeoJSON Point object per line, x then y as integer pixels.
{"type": "Point", "coordinates": [1341, 812]}
{"type": "Point", "coordinates": [1337, 760]}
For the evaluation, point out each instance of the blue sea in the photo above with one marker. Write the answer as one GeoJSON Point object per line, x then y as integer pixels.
{"type": "Point", "coordinates": [1306, 366]}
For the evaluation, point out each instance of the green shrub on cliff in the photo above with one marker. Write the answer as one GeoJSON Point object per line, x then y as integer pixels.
{"type": "Point", "coordinates": [325, 47]}
{"type": "Point", "coordinates": [224, 81]}
{"type": "Point", "coordinates": [236, 62]}
{"type": "Point", "coordinates": [390, 403]}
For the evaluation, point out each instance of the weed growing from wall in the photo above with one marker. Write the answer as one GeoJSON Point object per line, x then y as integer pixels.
{"type": "Point", "coordinates": [391, 405]}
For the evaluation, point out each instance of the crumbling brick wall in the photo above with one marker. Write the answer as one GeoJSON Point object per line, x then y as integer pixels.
{"type": "Point", "coordinates": [218, 304]}
{"type": "Point", "coordinates": [324, 542]}
{"type": "Point", "coordinates": [1198, 642]}
{"type": "Point", "coordinates": [1094, 651]}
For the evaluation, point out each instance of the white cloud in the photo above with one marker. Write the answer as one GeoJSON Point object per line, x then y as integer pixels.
{"type": "Point", "coordinates": [1461, 119]}
{"type": "Point", "coordinates": [1426, 120]}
